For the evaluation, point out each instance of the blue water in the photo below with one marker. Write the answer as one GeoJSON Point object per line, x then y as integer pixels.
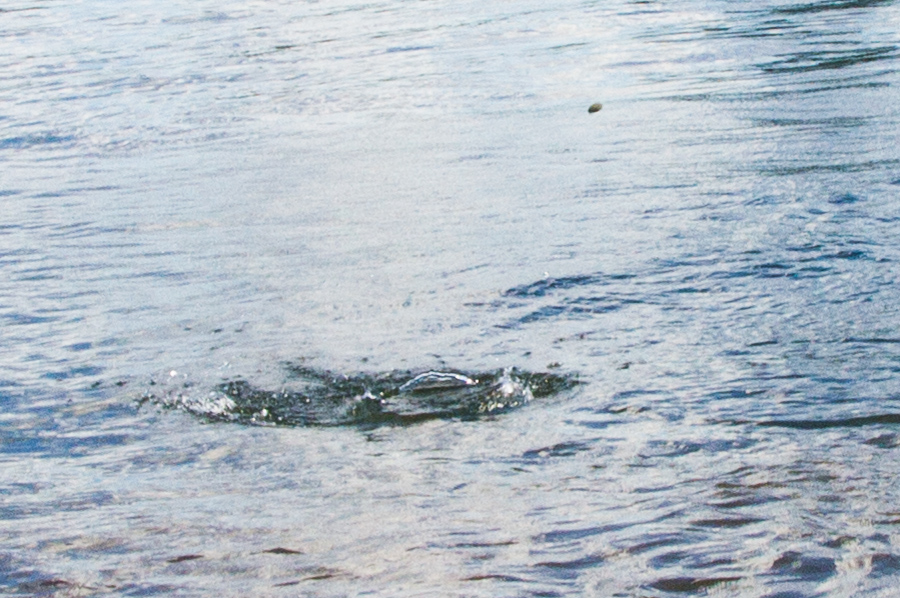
{"type": "Point", "coordinates": [667, 333]}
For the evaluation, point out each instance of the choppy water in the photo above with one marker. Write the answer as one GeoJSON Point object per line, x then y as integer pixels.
{"type": "Point", "coordinates": [678, 317]}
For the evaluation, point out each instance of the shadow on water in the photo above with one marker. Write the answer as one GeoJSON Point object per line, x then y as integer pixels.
{"type": "Point", "coordinates": [400, 398]}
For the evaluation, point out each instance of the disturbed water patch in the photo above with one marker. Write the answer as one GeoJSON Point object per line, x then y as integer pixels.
{"type": "Point", "coordinates": [327, 398]}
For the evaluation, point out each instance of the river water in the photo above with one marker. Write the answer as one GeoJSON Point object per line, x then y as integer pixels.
{"type": "Point", "coordinates": [660, 342]}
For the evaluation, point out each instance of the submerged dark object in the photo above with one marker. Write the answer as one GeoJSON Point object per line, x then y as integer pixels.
{"type": "Point", "coordinates": [393, 398]}
{"type": "Point", "coordinates": [595, 107]}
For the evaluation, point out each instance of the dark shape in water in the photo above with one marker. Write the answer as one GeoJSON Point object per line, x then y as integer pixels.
{"type": "Point", "coordinates": [810, 568]}
{"type": "Point", "coordinates": [370, 400]}
{"type": "Point", "coordinates": [595, 107]}
{"type": "Point", "coordinates": [282, 550]}
{"type": "Point", "coordinates": [845, 199]}
{"type": "Point", "coordinates": [824, 424]}
{"type": "Point", "coordinates": [184, 557]}
{"type": "Point", "coordinates": [690, 585]}
{"type": "Point", "coordinates": [815, 7]}
{"type": "Point", "coordinates": [803, 62]}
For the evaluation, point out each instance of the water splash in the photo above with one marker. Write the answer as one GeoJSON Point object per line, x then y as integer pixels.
{"type": "Point", "coordinates": [393, 398]}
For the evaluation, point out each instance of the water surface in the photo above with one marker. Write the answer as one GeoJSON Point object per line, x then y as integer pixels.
{"type": "Point", "coordinates": [201, 201]}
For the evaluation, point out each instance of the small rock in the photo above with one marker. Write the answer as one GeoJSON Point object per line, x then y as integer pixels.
{"type": "Point", "coordinates": [595, 107]}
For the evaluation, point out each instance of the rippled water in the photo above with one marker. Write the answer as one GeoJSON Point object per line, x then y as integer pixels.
{"type": "Point", "coordinates": [686, 303]}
